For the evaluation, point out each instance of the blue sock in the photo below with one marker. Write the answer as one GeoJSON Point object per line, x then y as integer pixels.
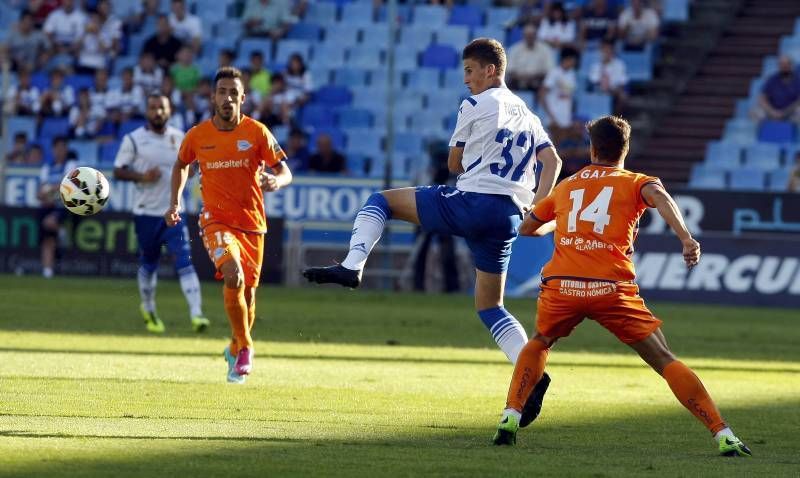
{"type": "Point", "coordinates": [506, 331]}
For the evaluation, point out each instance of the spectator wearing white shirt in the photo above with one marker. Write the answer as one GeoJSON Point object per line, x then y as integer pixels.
{"type": "Point", "coordinates": [185, 26]}
{"type": "Point", "coordinates": [557, 93]}
{"type": "Point", "coordinates": [110, 27]}
{"type": "Point", "coordinates": [128, 98]}
{"type": "Point", "coordinates": [298, 78]}
{"type": "Point", "coordinates": [557, 29]}
{"type": "Point", "coordinates": [93, 47]}
{"type": "Point", "coordinates": [529, 61]}
{"type": "Point", "coordinates": [101, 94]}
{"type": "Point", "coordinates": [278, 108]}
{"type": "Point", "coordinates": [638, 25]}
{"type": "Point", "coordinates": [58, 98]}
{"type": "Point", "coordinates": [609, 75]}
{"type": "Point", "coordinates": [86, 117]}
{"type": "Point", "coordinates": [65, 25]}
{"type": "Point", "coordinates": [23, 98]}
{"type": "Point", "coordinates": [147, 75]}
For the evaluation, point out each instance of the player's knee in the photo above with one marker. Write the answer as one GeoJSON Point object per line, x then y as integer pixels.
{"type": "Point", "coordinates": [232, 275]}
{"type": "Point", "coordinates": [183, 261]}
{"type": "Point", "coordinates": [148, 266]}
{"type": "Point", "coordinates": [379, 201]}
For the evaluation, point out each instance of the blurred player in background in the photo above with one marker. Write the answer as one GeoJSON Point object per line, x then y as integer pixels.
{"type": "Point", "coordinates": [52, 212]}
{"type": "Point", "coordinates": [595, 215]}
{"type": "Point", "coordinates": [234, 153]}
{"type": "Point", "coordinates": [494, 148]}
{"type": "Point", "coordinates": [145, 157]}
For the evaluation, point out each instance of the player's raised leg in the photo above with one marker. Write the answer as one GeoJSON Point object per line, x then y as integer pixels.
{"type": "Point", "coordinates": [367, 230]}
{"type": "Point", "coordinates": [689, 390]}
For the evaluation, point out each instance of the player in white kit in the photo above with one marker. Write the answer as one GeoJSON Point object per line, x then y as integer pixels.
{"type": "Point", "coordinates": [494, 149]}
{"type": "Point", "coordinates": [146, 157]}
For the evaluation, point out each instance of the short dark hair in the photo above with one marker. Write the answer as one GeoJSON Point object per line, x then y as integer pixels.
{"type": "Point", "coordinates": [486, 51]}
{"type": "Point", "coordinates": [227, 72]}
{"type": "Point", "coordinates": [610, 137]}
{"type": "Point", "coordinates": [157, 95]}
{"type": "Point", "coordinates": [570, 52]}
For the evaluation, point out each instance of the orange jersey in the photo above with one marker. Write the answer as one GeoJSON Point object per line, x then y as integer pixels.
{"type": "Point", "coordinates": [597, 213]}
{"type": "Point", "coordinates": [230, 164]}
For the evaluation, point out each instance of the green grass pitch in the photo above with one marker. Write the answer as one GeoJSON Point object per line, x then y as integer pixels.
{"type": "Point", "coordinates": [373, 384]}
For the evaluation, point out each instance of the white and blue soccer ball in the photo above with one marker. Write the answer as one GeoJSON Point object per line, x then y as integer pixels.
{"type": "Point", "coordinates": [84, 191]}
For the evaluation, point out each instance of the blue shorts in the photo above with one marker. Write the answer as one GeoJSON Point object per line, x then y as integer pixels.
{"type": "Point", "coordinates": [489, 222]}
{"type": "Point", "coordinates": [152, 232]}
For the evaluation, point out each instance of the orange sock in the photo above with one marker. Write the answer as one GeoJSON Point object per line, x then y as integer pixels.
{"type": "Point", "coordinates": [250, 298]}
{"type": "Point", "coordinates": [527, 373]}
{"type": "Point", "coordinates": [236, 307]}
{"type": "Point", "coordinates": [689, 390]}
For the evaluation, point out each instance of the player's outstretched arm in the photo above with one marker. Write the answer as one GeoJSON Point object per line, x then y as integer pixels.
{"type": "Point", "coordinates": [454, 160]}
{"type": "Point", "coordinates": [282, 177]}
{"type": "Point", "coordinates": [551, 166]}
{"type": "Point", "coordinates": [180, 173]}
{"type": "Point", "coordinates": [535, 227]}
{"type": "Point", "coordinates": [655, 195]}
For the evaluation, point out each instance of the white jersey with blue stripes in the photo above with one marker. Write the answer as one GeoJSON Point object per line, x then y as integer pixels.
{"type": "Point", "coordinates": [501, 138]}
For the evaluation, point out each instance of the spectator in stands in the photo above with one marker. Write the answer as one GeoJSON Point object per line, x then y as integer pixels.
{"type": "Point", "coordinates": [34, 156]}
{"type": "Point", "coordinates": [143, 15]}
{"type": "Point", "coordinates": [556, 94]}
{"type": "Point", "coordinates": [298, 78]}
{"type": "Point", "coordinates": [40, 10]}
{"type": "Point", "coordinates": [27, 46]}
{"type": "Point", "coordinates": [225, 58]}
{"type": "Point", "coordinates": [260, 79]}
{"type": "Point", "coordinates": [279, 106]}
{"type": "Point", "coordinates": [51, 214]}
{"type": "Point", "coordinates": [530, 11]}
{"type": "Point", "coordinates": [327, 159]}
{"type": "Point", "coordinates": [24, 99]}
{"type": "Point", "coordinates": [598, 22]}
{"type": "Point", "coordinates": [189, 111]}
{"type": "Point", "coordinates": [185, 73]}
{"type": "Point", "coordinates": [110, 27]}
{"type": "Point", "coordinates": [608, 75]}
{"type": "Point", "coordinates": [780, 95]}
{"type": "Point", "coordinates": [253, 104]}
{"type": "Point", "coordinates": [86, 117]}
{"type": "Point", "coordinates": [127, 98]}
{"type": "Point", "coordinates": [268, 18]}
{"type": "Point", "coordinates": [65, 25]}
{"type": "Point", "coordinates": [638, 26]}
{"type": "Point", "coordinates": [168, 89]}
{"type": "Point", "coordinates": [794, 175]}
{"type": "Point", "coordinates": [202, 97]}
{"type": "Point", "coordinates": [147, 75]}
{"type": "Point", "coordinates": [16, 155]}
{"type": "Point", "coordinates": [93, 47]}
{"type": "Point", "coordinates": [529, 61]}
{"type": "Point", "coordinates": [58, 98]}
{"type": "Point", "coordinates": [296, 150]}
{"type": "Point", "coordinates": [163, 45]}
{"type": "Point", "coordinates": [557, 29]}
{"type": "Point", "coordinates": [186, 27]}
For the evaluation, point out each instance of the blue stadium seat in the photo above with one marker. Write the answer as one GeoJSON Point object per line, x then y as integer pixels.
{"type": "Point", "coordinates": [357, 13]}
{"type": "Point", "coordinates": [365, 57]}
{"type": "Point", "coordinates": [741, 130]}
{"type": "Point", "coordinates": [444, 102]}
{"type": "Point", "coordinates": [401, 165]}
{"type": "Point", "coordinates": [769, 66]}
{"type": "Point", "coordinates": [350, 77]}
{"type": "Point", "coordinates": [281, 133]}
{"type": "Point", "coordinates": [403, 13]}
{"type": "Point", "coordinates": [424, 79]}
{"type": "Point", "coordinates": [330, 55]}
{"type": "Point", "coordinates": [78, 82]}
{"type": "Point", "coordinates": [52, 127]}
{"type": "Point", "coordinates": [742, 108]}
{"type": "Point", "coordinates": [400, 119]}
{"type": "Point", "coordinates": [228, 30]}
{"type": "Point", "coordinates": [371, 98]}
{"type": "Point", "coordinates": [593, 105]}
{"type": "Point", "coordinates": [638, 65]}
{"type": "Point", "coordinates": [366, 142]}
{"type": "Point", "coordinates": [86, 151]}
{"type": "Point", "coordinates": [122, 62]}
{"type": "Point", "coordinates": [763, 156]}
{"type": "Point", "coordinates": [317, 116]}
{"type": "Point", "coordinates": [490, 31]}
{"type": "Point", "coordinates": [287, 48]}
{"type": "Point", "coordinates": [354, 118]}
{"type": "Point", "coordinates": [714, 180]}
{"type": "Point", "coordinates": [321, 74]}
{"type": "Point", "coordinates": [440, 56]}
{"type": "Point", "coordinates": [453, 35]}
{"type": "Point", "coordinates": [108, 152]}
{"type": "Point", "coordinates": [500, 16]}
{"type": "Point", "coordinates": [676, 10]}
{"type": "Point", "coordinates": [723, 154]}
{"type": "Point", "coordinates": [430, 123]}
{"type": "Point", "coordinates": [410, 143]}
{"type": "Point", "coordinates": [333, 96]}
{"type": "Point", "coordinates": [305, 31]}
{"type": "Point", "coordinates": [20, 124]}
{"type": "Point", "coordinates": [746, 180]}
{"type": "Point", "coordinates": [250, 44]}
{"type": "Point", "coordinates": [357, 164]}
{"type": "Point", "coordinates": [433, 15]}
{"type": "Point", "coordinates": [375, 35]}
{"type": "Point", "coordinates": [341, 34]}
{"type": "Point", "coordinates": [416, 37]}
{"type": "Point", "coordinates": [468, 15]}
{"type": "Point", "coordinates": [321, 13]}
{"type": "Point", "coordinates": [406, 60]}
{"type": "Point", "coordinates": [755, 88]}
{"type": "Point", "coordinates": [776, 131]}
{"type": "Point", "coordinates": [128, 126]}
{"type": "Point", "coordinates": [778, 180]}
{"type": "Point", "coordinates": [376, 167]}
{"type": "Point", "coordinates": [513, 36]}
{"type": "Point", "coordinates": [380, 77]}
{"type": "Point", "coordinates": [40, 80]}
{"type": "Point", "coordinates": [528, 97]}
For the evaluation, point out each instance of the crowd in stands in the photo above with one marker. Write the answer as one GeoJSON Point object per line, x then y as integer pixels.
{"type": "Point", "coordinates": [315, 70]}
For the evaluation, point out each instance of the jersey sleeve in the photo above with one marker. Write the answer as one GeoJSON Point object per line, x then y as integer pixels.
{"type": "Point", "coordinates": [272, 153]}
{"type": "Point", "coordinates": [126, 153]}
{"type": "Point", "coordinates": [642, 181]}
{"type": "Point", "coordinates": [544, 211]}
{"type": "Point", "coordinates": [187, 153]}
{"type": "Point", "coordinates": [467, 113]}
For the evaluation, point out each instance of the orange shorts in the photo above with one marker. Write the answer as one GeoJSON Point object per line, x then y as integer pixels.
{"type": "Point", "coordinates": [223, 243]}
{"type": "Point", "coordinates": [564, 303]}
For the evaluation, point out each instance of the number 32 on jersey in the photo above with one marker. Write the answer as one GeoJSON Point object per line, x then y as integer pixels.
{"type": "Point", "coordinates": [595, 212]}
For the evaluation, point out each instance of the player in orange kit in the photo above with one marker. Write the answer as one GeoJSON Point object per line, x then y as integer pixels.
{"type": "Point", "coordinates": [234, 153]}
{"type": "Point", "coordinates": [595, 214]}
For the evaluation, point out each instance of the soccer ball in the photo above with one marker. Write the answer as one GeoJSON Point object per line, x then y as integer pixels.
{"type": "Point", "coordinates": [84, 191]}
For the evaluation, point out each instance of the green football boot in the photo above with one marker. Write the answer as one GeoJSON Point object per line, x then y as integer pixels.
{"type": "Point", "coordinates": [200, 324]}
{"type": "Point", "coordinates": [732, 446]}
{"type": "Point", "coordinates": [506, 433]}
{"type": "Point", "coordinates": [151, 321]}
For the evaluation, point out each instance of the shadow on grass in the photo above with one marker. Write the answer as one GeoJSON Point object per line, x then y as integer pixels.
{"type": "Point", "coordinates": [639, 442]}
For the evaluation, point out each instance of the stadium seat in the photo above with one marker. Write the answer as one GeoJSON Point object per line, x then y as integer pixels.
{"type": "Point", "coordinates": [375, 94]}
{"type": "Point", "coordinates": [490, 31]}
{"type": "Point", "coordinates": [329, 55]}
{"type": "Point", "coordinates": [776, 131]}
{"type": "Point", "coordinates": [778, 180]}
{"type": "Point", "coordinates": [763, 156]}
{"type": "Point", "coordinates": [638, 65]}
{"type": "Point", "coordinates": [708, 181]}
{"type": "Point", "coordinates": [287, 48]}
{"type": "Point", "coordinates": [20, 124]}
{"type": "Point", "coordinates": [440, 56]}
{"type": "Point", "coordinates": [513, 36]}
{"type": "Point", "coordinates": [742, 108]}
{"type": "Point", "coordinates": [723, 154]}
{"type": "Point", "coordinates": [470, 16]}
{"type": "Point", "coordinates": [400, 119]}
{"type": "Point", "coordinates": [444, 102]}
{"type": "Point", "coordinates": [375, 35]}
{"type": "Point", "coordinates": [122, 62]}
{"type": "Point", "coordinates": [52, 127]}
{"type": "Point", "coordinates": [128, 126]}
{"type": "Point", "coordinates": [676, 10]}
{"type": "Point", "coordinates": [86, 151]}
{"type": "Point", "coordinates": [341, 34]}
{"type": "Point", "coordinates": [416, 37]}
{"type": "Point", "coordinates": [424, 79]}
{"type": "Point", "coordinates": [357, 13]}
{"type": "Point", "coordinates": [406, 60]}
{"type": "Point", "coordinates": [429, 124]}
{"type": "Point", "coordinates": [769, 66]}
{"type": "Point", "coordinates": [366, 142]}
{"type": "Point", "coordinates": [501, 16]}
{"type": "Point", "coordinates": [742, 131]}
{"type": "Point", "coordinates": [79, 82]}
{"type": "Point", "coordinates": [403, 13]}
{"type": "Point", "coordinates": [305, 31]}
{"type": "Point", "coordinates": [400, 165]}
{"type": "Point", "coordinates": [380, 77]}
{"type": "Point", "coordinates": [357, 164]}
{"type": "Point", "coordinates": [321, 74]}
{"type": "Point", "coordinates": [333, 95]}
{"type": "Point", "coordinates": [40, 80]}
{"type": "Point", "coordinates": [317, 116]}
{"type": "Point", "coordinates": [365, 57]}
{"type": "Point", "coordinates": [354, 118]}
{"type": "Point", "coordinates": [321, 13]}
{"type": "Point", "coordinates": [409, 143]}
{"type": "Point", "coordinates": [453, 35]}
{"type": "Point", "coordinates": [250, 44]}
{"type": "Point", "coordinates": [228, 30]}
{"type": "Point", "coordinates": [528, 97]}
{"type": "Point", "coordinates": [593, 105]}
{"type": "Point", "coordinates": [350, 77]}
{"type": "Point", "coordinates": [433, 15]}
{"type": "Point", "coordinates": [281, 133]}
{"type": "Point", "coordinates": [108, 152]}
{"type": "Point", "coordinates": [746, 180]}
